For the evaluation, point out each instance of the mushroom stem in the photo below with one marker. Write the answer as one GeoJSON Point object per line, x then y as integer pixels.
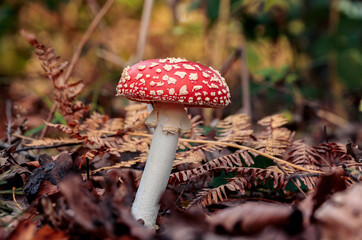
{"type": "Point", "coordinates": [158, 166]}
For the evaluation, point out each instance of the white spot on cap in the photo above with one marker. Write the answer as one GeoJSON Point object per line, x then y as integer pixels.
{"type": "Point", "coordinates": [159, 84]}
{"type": "Point", "coordinates": [197, 87]}
{"type": "Point", "coordinates": [142, 81]}
{"type": "Point", "coordinates": [212, 94]}
{"type": "Point", "coordinates": [213, 86]}
{"type": "Point", "coordinates": [158, 70]}
{"type": "Point", "coordinates": [171, 80]}
{"type": "Point", "coordinates": [154, 64]}
{"type": "Point", "coordinates": [162, 60]}
{"type": "Point", "coordinates": [193, 76]}
{"type": "Point", "coordinates": [214, 79]}
{"type": "Point", "coordinates": [125, 74]}
{"type": "Point", "coordinates": [183, 90]}
{"type": "Point", "coordinates": [205, 75]}
{"type": "Point", "coordinates": [152, 92]}
{"type": "Point", "coordinates": [219, 92]}
{"type": "Point", "coordinates": [167, 67]}
{"type": "Point", "coordinates": [205, 93]}
{"type": "Point", "coordinates": [207, 99]}
{"type": "Point", "coordinates": [171, 91]}
{"type": "Point", "coordinates": [141, 67]}
{"type": "Point", "coordinates": [198, 67]}
{"type": "Point", "coordinates": [180, 74]}
{"type": "Point", "coordinates": [142, 92]}
{"type": "Point", "coordinates": [191, 99]}
{"type": "Point", "coordinates": [199, 98]}
{"type": "Point", "coordinates": [138, 76]}
{"type": "Point", "coordinates": [148, 75]}
{"type": "Point", "coordinates": [165, 77]}
{"type": "Point", "coordinates": [152, 83]}
{"type": "Point", "coordinates": [188, 66]}
{"type": "Point", "coordinates": [176, 66]}
{"type": "Point", "coordinates": [181, 100]}
{"type": "Point", "coordinates": [159, 92]}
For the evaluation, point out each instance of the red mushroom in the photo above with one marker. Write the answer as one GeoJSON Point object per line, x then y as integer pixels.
{"type": "Point", "coordinates": [170, 84]}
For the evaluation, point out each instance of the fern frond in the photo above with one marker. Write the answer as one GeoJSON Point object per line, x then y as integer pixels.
{"type": "Point", "coordinates": [64, 92]}
{"type": "Point", "coordinates": [302, 154]}
{"type": "Point", "coordinates": [273, 121]}
{"type": "Point", "coordinates": [274, 139]}
{"type": "Point", "coordinates": [234, 128]}
{"type": "Point", "coordinates": [228, 162]}
{"type": "Point", "coordinates": [194, 154]}
{"type": "Point", "coordinates": [136, 115]}
{"type": "Point", "coordinates": [332, 154]}
{"type": "Point", "coordinates": [207, 197]}
{"type": "Point", "coordinates": [196, 131]}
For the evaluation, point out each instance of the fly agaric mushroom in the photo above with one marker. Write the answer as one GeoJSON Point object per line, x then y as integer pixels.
{"type": "Point", "coordinates": [170, 85]}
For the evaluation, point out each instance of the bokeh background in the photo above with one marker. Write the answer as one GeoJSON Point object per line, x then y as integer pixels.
{"type": "Point", "coordinates": [302, 58]}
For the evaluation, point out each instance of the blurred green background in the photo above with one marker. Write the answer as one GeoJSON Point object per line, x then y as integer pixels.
{"type": "Point", "coordinates": [303, 58]}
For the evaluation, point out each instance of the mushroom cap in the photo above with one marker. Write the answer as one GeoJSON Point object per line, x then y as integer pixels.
{"type": "Point", "coordinates": [174, 80]}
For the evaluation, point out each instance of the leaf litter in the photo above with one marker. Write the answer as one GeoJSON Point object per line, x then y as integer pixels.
{"type": "Point", "coordinates": [77, 196]}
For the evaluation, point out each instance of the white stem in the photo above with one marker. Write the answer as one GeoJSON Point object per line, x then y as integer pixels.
{"type": "Point", "coordinates": [156, 174]}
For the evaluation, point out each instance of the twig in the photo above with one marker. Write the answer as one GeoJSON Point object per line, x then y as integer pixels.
{"type": "Point", "coordinates": [230, 61]}
{"type": "Point", "coordinates": [48, 147]}
{"type": "Point", "coordinates": [293, 181]}
{"type": "Point", "coordinates": [94, 7]}
{"type": "Point", "coordinates": [245, 88]}
{"type": "Point", "coordinates": [49, 118]}
{"type": "Point", "coordinates": [14, 199]}
{"type": "Point", "coordinates": [111, 57]}
{"type": "Point", "coordinates": [86, 36]}
{"type": "Point", "coordinates": [234, 145]}
{"type": "Point", "coordinates": [145, 21]}
{"type": "Point", "coordinates": [227, 144]}
{"type": "Point", "coordinates": [294, 176]}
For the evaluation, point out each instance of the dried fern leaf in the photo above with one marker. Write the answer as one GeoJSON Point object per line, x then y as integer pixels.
{"type": "Point", "coordinates": [207, 197]}
{"type": "Point", "coordinates": [196, 132]}
{"type": "Point", "coordinates": [302, 154]}
{"type": "Point", "coordinates": [51, 142]}
{"type": "Point", "coordinates": [64, 92]}
{"type": "Point", "coordinates": [332, 154]}
{"type": "Point", "coordinates": [228, 162]}
{"type": "Point", "coordinates": [136, 115]}
{"type": "Point", "coordinates": [234, 128]}
{"type": "Point", "coordinates": [273, 121]}
{"type": "Point", "coordinates": [194, 154]}
{"type": "Point", "coordinates": [274, 141]}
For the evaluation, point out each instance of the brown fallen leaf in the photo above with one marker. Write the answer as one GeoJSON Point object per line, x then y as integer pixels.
{"type": "Point", "coordinates": [24, 231]}
{"type": "Point", "coordinates": [46, 232]}
{"type": "Point", "coordinates": [341, 216]}
{"type": "Point", "coordinates": [251, 218]}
